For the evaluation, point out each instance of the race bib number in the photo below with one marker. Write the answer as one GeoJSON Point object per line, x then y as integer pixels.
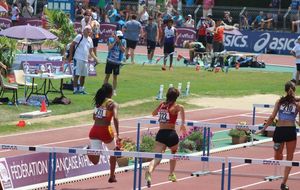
{"type": "Point", "coordinates": [100, 112]}
{"type": "Point", "coordinates": [163, 116]}
{"type": "Point", "coordinates": [288, 109]}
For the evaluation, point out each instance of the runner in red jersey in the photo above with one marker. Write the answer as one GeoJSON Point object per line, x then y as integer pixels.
{"type": "Point", "coordinates": [167, 136]}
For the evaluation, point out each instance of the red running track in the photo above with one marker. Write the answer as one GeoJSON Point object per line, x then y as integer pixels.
{"type": "Point", "coordinates": [62, 137]}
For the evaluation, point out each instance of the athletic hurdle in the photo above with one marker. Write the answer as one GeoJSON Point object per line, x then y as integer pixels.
{"type": "Point", "coordinates": [54, 150]}
{"type": "Point", "coordinates": [160, 94]}
{"type": "Point", "coordinates": [266, 162]}
{"type": "Point", "coordinates": [259, 106]}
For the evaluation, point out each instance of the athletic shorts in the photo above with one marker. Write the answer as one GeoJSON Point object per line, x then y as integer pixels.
{"type": "Point", "coordinates": [80, 68]}
{"type": "Point", "coordinates": [202, 39]}
{"type": "Point", "coordinates": [168, 48]}
{"type": "Point", "coordinates": [96, 144]}
{"type": "Point", "coordinates": [284, 134]}
{"type": "Point", "coordinates": [151, 45]}
{"type": "Point", "coordinates": [209, 39]}
{"type": "Point", "coordinates": [102, 133]}
{"type": "Point", "coordinates": [95, 42]}
{"type": "Point", "coordinates": [298, 66]}
{"type": "Point", "coordinates": [112, 68]}
{"type": "Point", "coordinates": [167, 137]}
{"type": "Point", "coordinates": [131, 44]}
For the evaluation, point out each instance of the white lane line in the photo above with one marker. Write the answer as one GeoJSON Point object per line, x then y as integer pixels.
{"type": "Point", "coordinates": [74, 140]}
{"type": "Point", "coordinates": [84, 125]}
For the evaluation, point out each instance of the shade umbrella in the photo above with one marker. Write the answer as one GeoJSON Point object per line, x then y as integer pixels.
{"type": "Point", "coordinates": [2, 9]}
{"type": "Point", "coordinates": [28, 32]}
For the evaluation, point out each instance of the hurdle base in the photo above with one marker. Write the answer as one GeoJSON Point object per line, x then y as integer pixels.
{"type": "Point", "coordinates": [273, 178]}
{"type": "Point", "coordinates": [200, 173]}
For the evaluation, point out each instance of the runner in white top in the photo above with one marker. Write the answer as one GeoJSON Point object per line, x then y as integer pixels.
{"type": "Point", "coordinates": [169, 36]}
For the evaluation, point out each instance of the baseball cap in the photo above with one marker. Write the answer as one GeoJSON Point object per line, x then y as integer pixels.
{"type": "Point", "coordinates": [189, 15]}
{"type": "Point", "coordinates": [119, 33]}
{"type": "Point", "coordinates": [209, 16]}
{"type": "Point", "coordinates": [298, 38]}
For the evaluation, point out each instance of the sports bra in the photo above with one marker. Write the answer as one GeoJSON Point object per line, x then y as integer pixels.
{"type": "Point", "coordinates": [165, 115]}
{"type": "Point", "coordinates": [101, 112]}
{"type": "Point", "coordinates": [287, 112]}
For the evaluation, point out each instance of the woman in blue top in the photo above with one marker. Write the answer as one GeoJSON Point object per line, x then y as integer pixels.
{"type": "Point", "coordinates": [285, 133]}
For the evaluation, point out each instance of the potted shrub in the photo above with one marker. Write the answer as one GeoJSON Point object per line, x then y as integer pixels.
{"type": "Point", "coordinates": [193, 140]}
{"type": "Point", "coordinates": [126, 144]}
{"type": "Point", "coordinates": [238, 136]}
{"type": "Point", "coordinates": [147, 144]}
{"type": "Point", "coordinates": [8, 49]}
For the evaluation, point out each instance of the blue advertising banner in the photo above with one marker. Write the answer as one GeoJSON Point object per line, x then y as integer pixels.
{"type": "Point", "coordinates": [261, 42]}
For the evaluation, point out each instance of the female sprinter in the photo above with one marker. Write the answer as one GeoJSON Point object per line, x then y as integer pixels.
{"type": "Point", "coordinates": [105, 109]}
{"type": "Point", "coordinates": [167, 136]}
{"type": "Point", "coordinates": [285, 131]}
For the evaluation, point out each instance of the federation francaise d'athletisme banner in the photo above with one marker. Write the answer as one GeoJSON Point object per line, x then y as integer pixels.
{"type": "Point", "coordinates": [30, 171]}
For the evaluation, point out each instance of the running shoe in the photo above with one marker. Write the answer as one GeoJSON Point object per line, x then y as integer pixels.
{"type": "Point", "coordinates": [172, 177]}
{"type": "Point", "coordinates": [76, 92]}
{"type": "Point", "coordinates": [112, 179]}
{"type": "Point", "coordinates": [83, 92]}
{"type": "Point", "coordinates": [148, 179]}
{"type": "Point", "coordinates": [284, 187]}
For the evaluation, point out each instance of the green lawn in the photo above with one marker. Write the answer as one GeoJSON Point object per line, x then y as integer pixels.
{"type": "Point", "coordinates": [142, 83]}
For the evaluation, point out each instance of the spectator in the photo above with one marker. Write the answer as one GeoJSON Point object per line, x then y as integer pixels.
{"type": "Point", "coordinates": [95, 15]}
{"type": "Point", "coordinates": [132, 33]}
{"type": "Point", "coordinates": [169, 36]}
{"type": "Point", "coordinates": [227, 18]}
{"type": "Point", "coordinates": [169, 8]}
{"type": "Point", "coordinates": [159, 22]}
{"type": "Point", "coordinates": [112, 13]}
{"type": "Point", "coordinates": [144, 16]}
{"type": "Point", "coordinates": [276, 5]}
{"type": "Point", "coordinates": [120, 22]}
{"type": "Point", "coordinates": [201, 27]}
{"type": "Point", "coordinates": [294, 8]}
{"type": "Point", "coordinates": [207, 7]}
{"type": "Point", "coordinates": [87, 20]}
{"type": "Point", "coordinates": [79, 13]}
{"type": "Point", "coordinates": [127, 12]}
{"type": "Point", "coordinates": [117, 4]}
{"type": "Point", "coordinates": [81, 47]}
{"type": "Point", "coordinates": [157, 11]}
{"type": "Point", "coordinates": [151, 35]}
{"type": "Point", "coordinates": [116, 48]}
{"type": "Point", "coordinates": [189, 22]}
{"type": "Point", "coordinates": [27, 11]}
{"type": "Point", "coordinates": [245, 20]}
{"type": "Point", "coordinates": [95, 34]}
{"type": "Point", "coordinates": [209, 33]}
{"type": "Point", "coordinates": [258, 22]}
{"type": "Point", "coordinates": [178, 19]}
{"type": "Point", "coordinates": [15, 13]}
{"type": "Point", "coordinates": [174, 4]}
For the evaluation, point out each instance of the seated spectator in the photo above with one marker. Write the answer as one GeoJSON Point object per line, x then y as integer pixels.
{"type": "Point", "coordinates": [189, 22]}
{"type": "Point", "coordinates": [260, 21]}
{"type": "Point", "coordinates": [178, 19]}
{"type": "Point", "coordinates": [294, 11]}
{"type": "Point", "coordinates": [27, 11]}
{"type": "Point", "coordinates": [144, 16]}
{"type": "Point", "coordinates": [227, 18]}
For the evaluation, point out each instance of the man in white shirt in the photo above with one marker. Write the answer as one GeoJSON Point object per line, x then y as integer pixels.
{"type": "Point", "coordinates": [81, 47]}
{"type": "Point", "coordinates": [296, 53]}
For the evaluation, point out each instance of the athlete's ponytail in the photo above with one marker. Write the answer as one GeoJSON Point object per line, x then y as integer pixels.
{"type": "Point", "coordinates": [290, 89]}
{"type": "Point", "coordinates": [172, 95]}
{"type": "Point", "coordinates": [104, 92]}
